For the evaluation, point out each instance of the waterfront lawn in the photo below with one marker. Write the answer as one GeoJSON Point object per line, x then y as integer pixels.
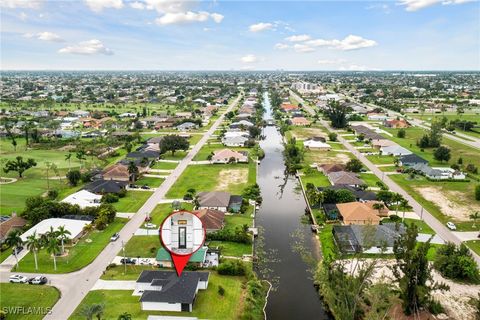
{"type": "Point", "coordinates": [152, 182]}
{"type": "Point", "coordinates": [165, 165]}
{"type": "Point", "coordinates": [142, 246]}
{"type": "Point", "coordinates": [80, 255]}
{"type": "Point", "coordinates": [16, 295]}
{"type": "Point", "coordinates": [208, 304]}
{"type": "Point", "coordinates": [316, 177]}
{"type": "Point", "coordinates": [474, 245]}
{"type": "Point", "coordinates": [232, 178]}
{"type": "Point", "coordinates": [232, 249]}
{"type": "Point", "coordinates": [327, 243]}
{"type": "Point", "coordinates": [322, 157]}
{"type": "Point", "coordinates": [163, 210]}
{"type": "Point", "coordinates": [133, 201]}
{"type": "Point", "coordinates": [232, 221]}
{"type": "Point", "coordinates": [465, 189]}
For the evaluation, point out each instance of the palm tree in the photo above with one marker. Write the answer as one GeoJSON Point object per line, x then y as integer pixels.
{"type": "Point", "coordinates": [48, 165]}
{"type": "Point", "coordinates": [63, 234]}
{"type": "Point", "coordinates": [80, 155]}
{"type": "Point", "coordinates": [68, 157]}
{"type": "Point", "coordinates": [34, 244]}
{"type": "Point", "coordinates": [133, 170]}
{"type": "Point", "coordinates": [125, 316]}
{"type": "Point", "coordinates": [378, 206]}
{"type": "Point", "coordinates": [396, 197]}
{"type": "Point", "coordinates": [13, 240]}
{"type": "Point", "coordinates": [404, 205]}
{"type": "Point", "coordinates": [88, 311]}
{"type": "Point", "coordinates": [53, 248]}
{"type": "Point", "coordinates": [474, 217]}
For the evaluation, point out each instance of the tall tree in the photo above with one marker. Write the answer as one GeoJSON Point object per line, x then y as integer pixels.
{"type": "Point", "coordinates": [81, 155]}
{"type": "Point", "coordinates": [34, 244]}
{"type": "Point", "coordinates": [53, 248]}
{"type": "Point", "coordinates": [63, 234]}
{"type": "Point", "coordinates": [412, 271]}
{"type": "Point", "coordinates": [14, 240]}
{"type": "Point", "coordinates": [337, 113]}
{"type": "Point", "coordinates": [133, 170]}
{"type": "Point", "coordinates": [67, 158]}
{"type": "Point", "coordinates": [173, 143]}
{"type": "Point", "coordinates": [19, 165]}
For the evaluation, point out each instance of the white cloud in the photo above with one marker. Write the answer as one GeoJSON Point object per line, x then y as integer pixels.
{"type": "Point", "coordinates": [302, 48]}
{"type": "Point", "coordinates": [217, 17]}
{"type": "Point", "coordinates": [165, 6]}
{"type": "Point", "coordinates": [262, 26]}
{"type": "Point", "coordinates": [99, 5]}
{"type": "Point", "coordinates": [334, 61]}
{"type": "Point", "coordinates": [137, 5]}
{"type": "Point", "coordinates": [27, 4]}
{"type": "Point", "coordinates": [414, 5]}
{"type": "Point", "coordinates": [350, 42]}
{"type": "Point", "coordinates": [298, 38]}
{"type": "Point", "coordinates": [89, 47]}
{"type": "Point", "coordinates": [23, 16]}
{"type": "Point", "coordinates": [188, 17]}
{"type": "Point", "coordinates": [281, 46]}
{"type": "Point", "coordinates": [249, 58]}
{"type": "Point", "coordinates": [44, 36]}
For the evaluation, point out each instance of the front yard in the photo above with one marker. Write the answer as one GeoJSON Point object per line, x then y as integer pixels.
{"type": "Point", "coordinates": [133, 201]}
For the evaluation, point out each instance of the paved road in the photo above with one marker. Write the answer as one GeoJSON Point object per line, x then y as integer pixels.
{"type": "Point", "coordinates": [436, 225]}
{"type": "Point", "coordinates": [75, 286]}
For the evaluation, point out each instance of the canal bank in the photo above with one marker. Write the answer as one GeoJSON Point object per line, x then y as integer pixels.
{"type": "Point", "coordinates": [280, 217]}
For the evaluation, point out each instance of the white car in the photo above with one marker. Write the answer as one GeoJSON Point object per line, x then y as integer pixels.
{"type": "Point", "coordinates": [16, 278]}
{"type": "Point", "coordinates": [451, 226]}
{"type": "Point", "coordinates": [150, 225]}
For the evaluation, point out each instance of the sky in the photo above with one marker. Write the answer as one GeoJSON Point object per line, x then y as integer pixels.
{"type": "Point", "coordinates": [239, 35]}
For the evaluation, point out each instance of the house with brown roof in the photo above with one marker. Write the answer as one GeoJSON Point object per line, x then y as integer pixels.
{"type": "Point", "coordinates": [394, 123]}
{"type": "Point", "coordinates": [212, 219]}
{"type": "Point", "coordinates": [9, 225]}
{"type": "Point", "coordinates": [287, 107]}
{"type": "Point", "coordinates": [117, 172]}
{"type": "Point", "coordinates": [300, 121]}
{"type": "Point", "coordinates": [357, 213]}
{"type": "Point", "coordinates": [331, 167]}
{"type": "Point", "coordinates": [344, 178]}
{"type": "Point", "coordinates": [229, 156]}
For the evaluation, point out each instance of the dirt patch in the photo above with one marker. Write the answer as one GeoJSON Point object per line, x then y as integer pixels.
{"type": "Point", "coordinates": [456, 300]}
{"type": "Point", "coordinates": [305, 133]}
{"type": "Point", "coordinates": [4, 180]}
{"type": "Point", "coordinates": [323, 157]}
{"type": "Point", "coordinates": [451, 203]}
{"type": "Point", "coordinates": [231, 176]}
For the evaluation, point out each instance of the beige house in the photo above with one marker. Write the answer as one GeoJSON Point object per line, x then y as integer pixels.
{"type": "Point", "coordinates": [227, 155]}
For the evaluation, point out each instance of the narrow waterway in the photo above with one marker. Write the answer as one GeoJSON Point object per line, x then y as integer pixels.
{"type": "Point", "coordinates": [280, 218]}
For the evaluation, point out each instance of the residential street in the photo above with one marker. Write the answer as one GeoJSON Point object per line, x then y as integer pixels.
{"type": "Point", "coordinates": [436, 225]}
{"type": "Point", "coordinates": [75, 286]}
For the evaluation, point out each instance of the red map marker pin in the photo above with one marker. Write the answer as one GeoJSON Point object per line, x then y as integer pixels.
{"type": "Point", "coordinates": [182, 234]}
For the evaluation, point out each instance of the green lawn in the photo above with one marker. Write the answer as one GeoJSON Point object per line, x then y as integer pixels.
{"type": "Point", "coordinates": [232, 249]}
{"type": "Point", "coordinates": [80, 255]}
{"type": "Point", "coordinates": [142, 246]}
{"type": "Point", "coordinates": [165, 165]}
{"type": "Point", "coordinates": [232, 221]}
{"type": "Point", "coordinates": [369, 178]}
{"type": "Point", "coordinates": [381, 159]}
{"type": "Point", "coordinates": [213, 177]}
{"type": "Point", "coordinates": [474, 245]}
{"type": "Point", "coordinates": [316, 177]}
{"type": "Point", "coordinates": [326, 241]}
{"type": "Point", "coordinates": [152, 182]}
{"type": "Point", "coordinates": [208, 304]}
{"type": "Point", "coordinates": [179, 155]}
{"type": "Point", "coordinates": [163, 210]}
{"type": "Point", "coordinates": [5, 254]}
{"type": "Point", "coordinates": [118, 272]}
{"type": "Point", "coordinates": [133, 201]}
{"type": "Point", "coordinates": [15, 295]}
{"type": "Point", "coordinates": [422, 226]}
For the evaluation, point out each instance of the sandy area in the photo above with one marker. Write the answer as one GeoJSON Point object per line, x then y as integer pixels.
{"type": "Point", "coordinates": [231, 176]}
{"type": "Point", "coordinates": [455, 301]}
{"type": "Point", "coordinates": [451, 203]}
{"type": "Point", "coordinates": [322, 157]}
{"type": "Point", "coordinates": [305, 133]}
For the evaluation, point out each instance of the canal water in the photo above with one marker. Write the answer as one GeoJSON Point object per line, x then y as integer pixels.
{"type": "Point", "coordinates": [280, 218]}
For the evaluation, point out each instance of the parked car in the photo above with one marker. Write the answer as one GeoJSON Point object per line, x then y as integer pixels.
{"type": "Point", "coordinates": [38, 280]}
{"type": "Point", "coordinates": [128, 261]}
{"type": "Point", "coordinates": [16, 278]}
{"type": "Point", "coordinates": [17, 249]}
{"type": "Point", "coordinates": [115, 237]}
{"type": "Point", "coordinates": [451, 226]}
{"type": "Point", "coordinates": [150, 225]}
{"type": "Point", "coordinates": [145, 187]}
{"type": "Point", "coordinates": [133, 186]}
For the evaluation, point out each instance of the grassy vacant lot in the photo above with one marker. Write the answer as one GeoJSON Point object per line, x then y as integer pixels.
{"type": "Point", "coordinates": [165, 165]}
{"type": "Point", "coordinates": [326, 241]}
{"type": "Point", "coordinates": [208, 149]}
{"type": "Point", "coordinates": [460, 189]}
{"type": "Point", "coordinates": [208, 304]}
{"type": "Point", "coordinates": [133, 201]}
{"type": "Point", "coordinates": [381, 159]}
{"type": "Point", "coordinates": [321, 157]}
{"type": "Point", "coordinates": [315, 177]}
{"type": "Point", "coordinates": [118, 272]}
{"type": "Point", "coordinates": [80, 255]}
{"type": "Point", "coordinates": [468, 154]}
{"type": "Point", "coordinates": [474, 245]}
{"type": "Point", "coordinates": [179, 155]}
{"type": "Point", "coordinates": [369, 178]}
{"type": "Point", "coordinates": [152, 182]}
{"type": "Point", "coordinates": [232, 178]}
{"type": "Point", "coordinates": [163, 210]}
{"type": "Point", "coordinates": [232, 249]}
{"type": "Point", "coordinates": [142, 246]}
{"type": "Point", "coordinates": [15, 295]}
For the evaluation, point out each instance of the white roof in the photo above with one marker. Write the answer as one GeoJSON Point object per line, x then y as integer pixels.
{"type": "Point", "coordinates": [84, 199]}
{"type": "Point", "coordinates": [74, 226]}
{"type": "Point", "coordinates": [315, 144]}
{"type": "Point", "coordinates": [231, 134]}
{"type": "Point", "coordinates": [395, 150]}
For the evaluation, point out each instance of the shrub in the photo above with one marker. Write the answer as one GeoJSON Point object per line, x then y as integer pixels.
{"type": "Point", "coordinates": [456, 263]}
{"type": "Point", "coordinates": [52, 194]}
{"type": "Point", "coordinates": [435, 307]}
{"type": "Point", "coordinates": [232, 268]}
{"type": "Point", "coordinates": [401, 133]}
{"type": "Point", "coordinates": [221, 291]}
{"type": "Point", "coordinates": [110, 198]}
{"type": "Point", "coordinates": [74, 176]}
{"type": "Point", "coordinates": [122, 193]}
{"type": "Point", "coordinates": [332, 136]}
{"type": "Point", "coordinates": [477, 192]}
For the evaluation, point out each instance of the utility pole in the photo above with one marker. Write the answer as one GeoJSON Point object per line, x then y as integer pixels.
{"type": "Point", "coordinates": [124, 259]}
